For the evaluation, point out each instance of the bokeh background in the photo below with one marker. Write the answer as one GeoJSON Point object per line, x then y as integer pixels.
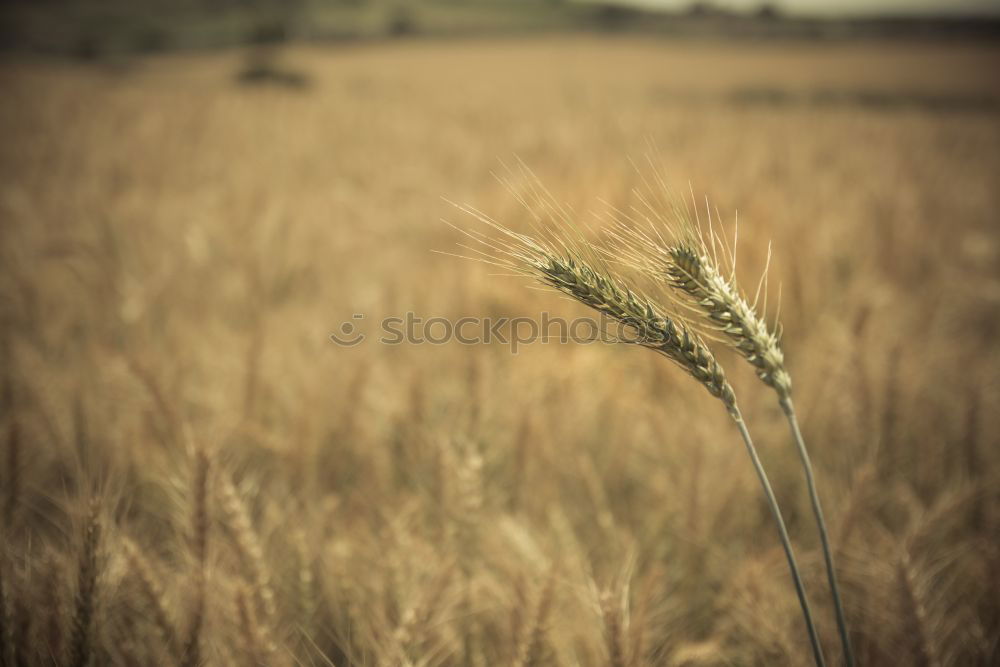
{"type": "Point", "coordinates": [194, 195]}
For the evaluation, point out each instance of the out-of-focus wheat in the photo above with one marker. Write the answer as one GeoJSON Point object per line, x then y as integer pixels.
{"type": "Point", "coordinates": [174, 248]}
{"type": "Point", "coordinates": [81, 639]}
{"type": "Point", "coordinates": [153, 591]}
{"type": "Point", "coordinates": [198, 540]}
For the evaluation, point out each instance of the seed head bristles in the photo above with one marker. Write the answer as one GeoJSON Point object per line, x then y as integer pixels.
{"type": "Point", "coordinates": [576, 268]}
{"type": "Point", "coordinates": [661, 239]}
{"type": "Point", "coordinates": [698, 276]}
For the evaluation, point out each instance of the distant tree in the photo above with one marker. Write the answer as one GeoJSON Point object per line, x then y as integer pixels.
{"type": "Point", "coordinates": [768, 11]}
{"type": "Point", "coordinates": [700, 9]}
{"type": "Point", "coordinates": [401, 22]}
{"type": "Point", "coordinates": [614, 16]}
{"type": "Point", "coordinates": [272, 27]}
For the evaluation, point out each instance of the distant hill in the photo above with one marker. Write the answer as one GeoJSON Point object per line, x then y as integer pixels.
{"type": "Point", "coordinates": [92, 30]}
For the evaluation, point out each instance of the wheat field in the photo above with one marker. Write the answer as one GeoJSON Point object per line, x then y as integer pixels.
{"type": "Point", "coordinates": [194, 473]}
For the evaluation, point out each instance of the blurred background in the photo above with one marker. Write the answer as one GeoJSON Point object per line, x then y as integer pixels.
{"type": "Point", "coordinates": [195, 194]}
{"type": "Point", "coordinates": [118, 28]}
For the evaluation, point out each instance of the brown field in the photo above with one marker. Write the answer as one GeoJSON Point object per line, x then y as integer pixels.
{"type": "Point", "coordinates": [177, 247]}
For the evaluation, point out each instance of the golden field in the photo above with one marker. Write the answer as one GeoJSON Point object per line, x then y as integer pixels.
{"type": "Point", "coordinates": [194, 473]}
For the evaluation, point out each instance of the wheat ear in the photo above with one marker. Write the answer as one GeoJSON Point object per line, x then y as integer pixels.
{"type": "Point", "coordinates": [613, 630]}
{"type": "Point", "coordinates": [8, 647]}
{"type": "Point", "coordinates": [567, 269]}
{"type": "Point", "coordinates": [83, 608]}
{"type": "Point", "coordinates": [691, 268]}
{"type": "Point", "coordinates": [915, 613]}
{"type": "Point", "coordinates": [12, 497]}
{"type": "Point", "coordinates": [606, 294]}
{"type": "Point", "coordinates": [191, 654]}
{"type": "Point", "coordinates": [532, 646]}
{"type": "Point", "coordinates": [252, 554]}
{"type": "Point", "coordinates": [156, 597]}
{"type": "Point", "coordinates": [259, 646]}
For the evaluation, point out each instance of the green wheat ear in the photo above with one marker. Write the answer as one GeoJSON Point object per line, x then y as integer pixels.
{"type": "Point", "coordinates": [606, 294]}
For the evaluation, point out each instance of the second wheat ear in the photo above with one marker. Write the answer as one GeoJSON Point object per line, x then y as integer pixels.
{"type": "Point", "coordinates": [719, 300]}
{"type": "Point", "coordinates": [693, 271]}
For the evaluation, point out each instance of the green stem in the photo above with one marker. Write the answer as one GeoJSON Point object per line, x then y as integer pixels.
{"type": "Point", "coordinates": [734, 412]}
{"type": "Point", "coordinates": [831, 574]}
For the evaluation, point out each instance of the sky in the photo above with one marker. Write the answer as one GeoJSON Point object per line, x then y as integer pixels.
{"type": "Point", "coordinates": [854, 7]}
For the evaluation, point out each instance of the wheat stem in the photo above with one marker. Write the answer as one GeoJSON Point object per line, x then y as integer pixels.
{"type": "Point", "coordinates": [692, 271]}
{"type": "Point", "coordinates": [156, 597]}
{"type": "Point", "coordinates": [191, 655]}
{"type": "Point", "coordinates": [249, 547]}
{"type": "Point", "coordinates": [817, 508]}
{"type": "Point", "coordinates": [8, 648]}
{"type": "Point", "coordinates": [786, 543]}
{"type": "Point", "coordinates": [81, 643]}
{"type": "Point", "coordinates": [533, 646]}
{"type": "Point", "coordinates": [613, 630]}
{"type": "Point", "coordinates": [916, 614]}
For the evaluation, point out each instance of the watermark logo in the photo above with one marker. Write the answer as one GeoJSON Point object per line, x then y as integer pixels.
{"type": "Point", "coordinates": [348, 334]}
{"type": "Point", "coordinates": [514, 332]}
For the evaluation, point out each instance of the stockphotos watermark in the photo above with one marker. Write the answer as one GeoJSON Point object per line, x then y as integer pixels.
{"type": "Point", "coordinates": [515, 332]}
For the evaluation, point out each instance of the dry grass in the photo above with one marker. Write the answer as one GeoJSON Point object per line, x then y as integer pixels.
{"type": "Point", "coordinates": [175, 250]}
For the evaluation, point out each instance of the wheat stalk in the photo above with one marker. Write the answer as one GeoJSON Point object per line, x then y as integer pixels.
{"type": "Point", "coordinates": [12, 496]}
{"type": "Point", "coordinates": [613, 630]}
{"type": "Point", "coordinates": [156, 597]}
{"type": "Point", "coordinates": [8, 645]}
{"type": "Point", "coordinates": [259, 645]}
{"type": "Point", "coordinates": [915, 613]}
{"type": "Point", "coordinates": [191, 654]}
{"type": "Point", "coordinates": [691, 268]}
{"type": "Point", "coordinates": [689, 263]}
{"type": "Point", "coordinates": [532, 646]}
{"type": "Point", "coordinates": [566, 265]}
{"type": "Point", "coordinates": [52, 634]}
{"type": "Point", "coordinates": [249, 547]}
{"type": "Point", "coordinates": [83, 609]}
{"type": "Point", "coordinates": [305, 581]}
